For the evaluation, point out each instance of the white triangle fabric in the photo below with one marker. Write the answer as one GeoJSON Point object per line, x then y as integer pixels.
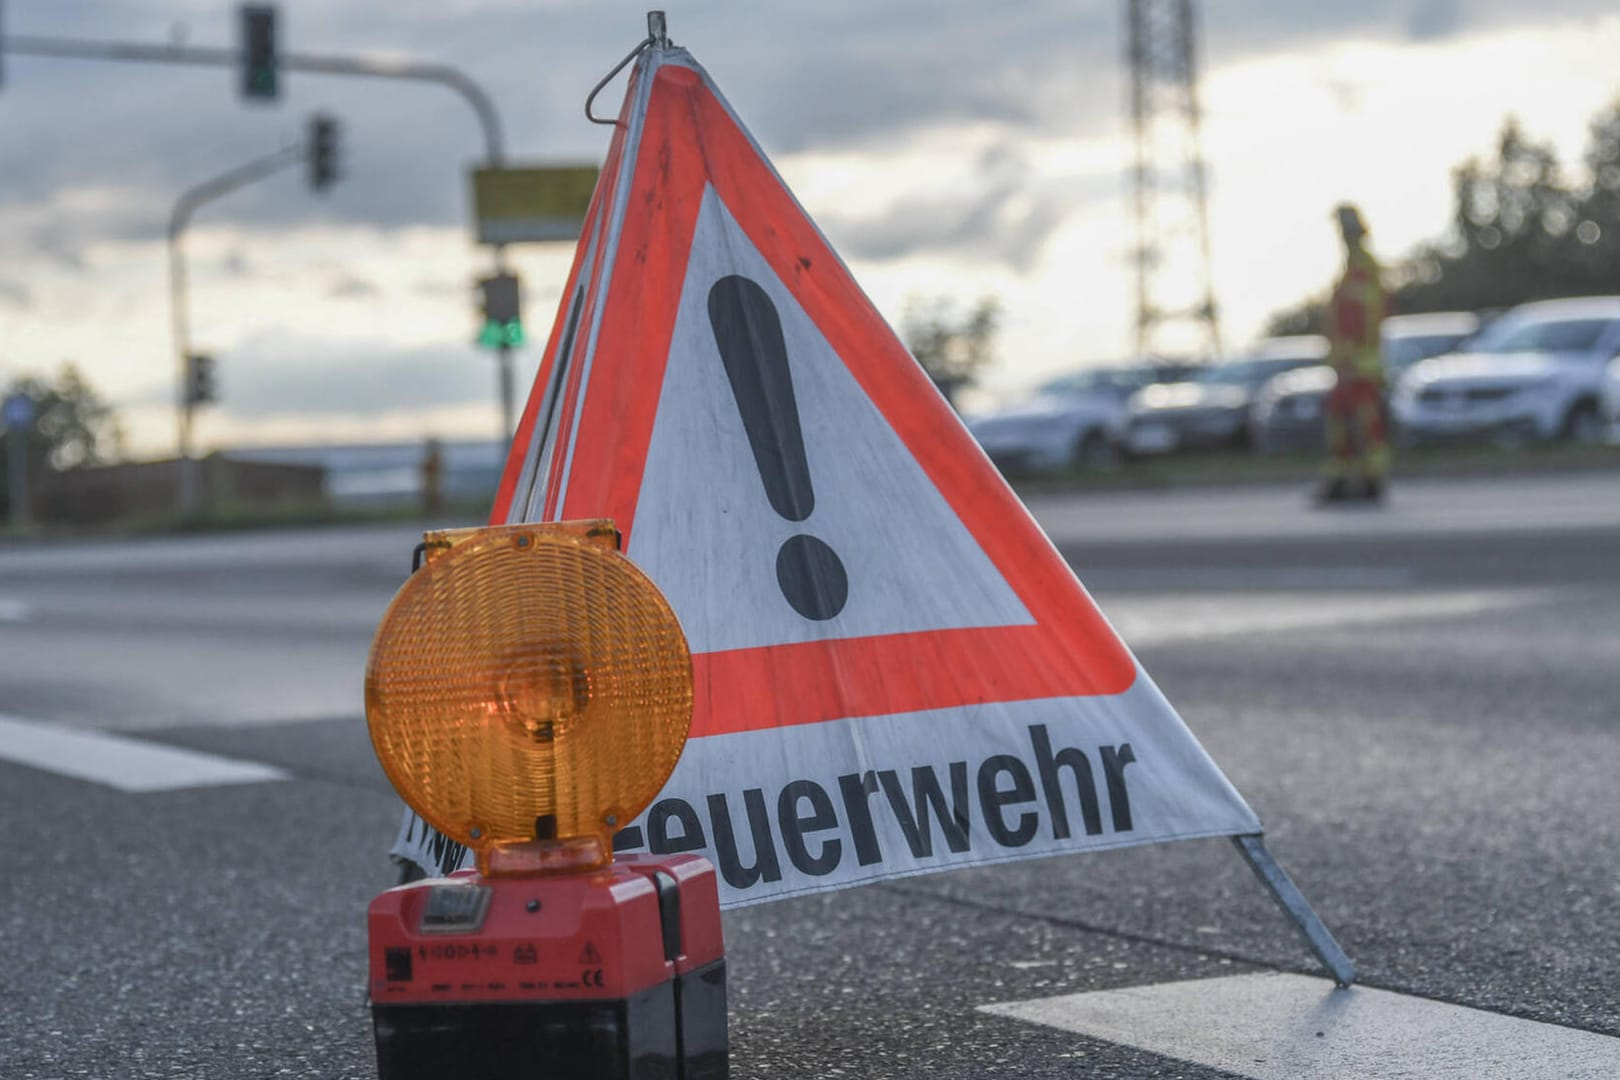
{"type": "Point", "coordinates": [708, 534]}
{"type": "Point", "coordinates": [901, 705]}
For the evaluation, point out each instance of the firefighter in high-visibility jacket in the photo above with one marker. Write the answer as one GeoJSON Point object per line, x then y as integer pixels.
{"type": "Point", "coordinates": [1358, 445]}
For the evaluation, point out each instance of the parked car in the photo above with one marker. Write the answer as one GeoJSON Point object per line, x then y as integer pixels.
{"type": "Point", "coordinates": [1212, 407]}
{"type": "Point", "coordinates": [1289, 413]}
{"type": "Point", "coordinates": [1611, 400]}
{"type": "Point", "coordinates": [1535, 373]}
{"type": "Point", "coordinates": [1067, 421]}
{"type": "Point", "coordinates": [1410, 338]}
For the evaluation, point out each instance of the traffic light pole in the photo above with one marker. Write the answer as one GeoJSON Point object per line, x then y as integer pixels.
{"type": "Point", "coordinates": [503, 356]}
{"type": "Point", "coordinates": [184, 207]}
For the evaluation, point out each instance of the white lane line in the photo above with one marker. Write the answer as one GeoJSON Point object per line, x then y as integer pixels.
{"type": "Point", "coordinates": [1282, 1027]}
{"type": "Point", "coordinates": [131, 765]}
{"type": "Point", "coordinates": [1160, 620]}
{"type": "Point", "coordinates": [13, 610]}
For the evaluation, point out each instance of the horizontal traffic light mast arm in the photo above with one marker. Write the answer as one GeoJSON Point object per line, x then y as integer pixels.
{"type": "Point", "coordinates": [379, 67]}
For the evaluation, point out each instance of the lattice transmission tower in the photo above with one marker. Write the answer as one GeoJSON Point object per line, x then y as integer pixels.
{"type": "Point", "coordinates": [1175, 294]}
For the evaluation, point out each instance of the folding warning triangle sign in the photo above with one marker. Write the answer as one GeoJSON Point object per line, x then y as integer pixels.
{"type": "Point", "coordinates": [895, 671]}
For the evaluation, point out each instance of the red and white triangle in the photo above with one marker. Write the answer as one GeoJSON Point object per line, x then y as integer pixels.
{"type": "Point", "coordinates": [895, 671]}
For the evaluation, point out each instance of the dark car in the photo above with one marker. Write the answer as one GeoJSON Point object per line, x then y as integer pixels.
{"type": "Point", "coordinates": [1289, 412]}
{"type": "Point", "coordinates": [1211, 408]}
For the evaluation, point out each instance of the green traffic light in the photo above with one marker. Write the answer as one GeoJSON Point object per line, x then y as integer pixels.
{"type": "Point", "coordinates": [496, 335]}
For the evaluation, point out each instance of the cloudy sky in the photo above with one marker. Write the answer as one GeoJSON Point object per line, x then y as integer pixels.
{"type": "Point", "coordinates": [948, 148]}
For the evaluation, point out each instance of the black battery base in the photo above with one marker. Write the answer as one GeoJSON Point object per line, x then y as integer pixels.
{"type": "Point", "coordinates": [673, 1031]}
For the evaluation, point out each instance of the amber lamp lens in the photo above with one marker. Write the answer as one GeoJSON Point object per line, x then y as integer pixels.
{"type": "Point", "coordinates": [528, 684]}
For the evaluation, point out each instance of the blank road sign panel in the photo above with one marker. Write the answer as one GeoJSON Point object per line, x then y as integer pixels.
{"type": "Point", "coordinates": [531, 205]}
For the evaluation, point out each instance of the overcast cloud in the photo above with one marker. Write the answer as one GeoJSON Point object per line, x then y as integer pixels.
{"type": "Point", "coordinates": [808, 77]}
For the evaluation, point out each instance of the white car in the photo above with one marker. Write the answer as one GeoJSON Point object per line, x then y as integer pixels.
{"type": "Point", "coordinates": [1406, 339]}
{"type": "Point", "coordinates": [1535, 373]}
{"type": "Point", "coordinates": [1611, 400]}
{"type": "Point", "coordinates": [1069, 421]}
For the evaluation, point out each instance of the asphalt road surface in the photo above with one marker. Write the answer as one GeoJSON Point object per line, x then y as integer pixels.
{"type": "Point", "coordinates": [1419, 701]}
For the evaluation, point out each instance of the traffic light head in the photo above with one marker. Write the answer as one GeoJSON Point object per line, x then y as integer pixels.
{"type": "Point", "coordinates": [323, 151]}
{"type": "Point", "coordinates": [502, 303]}
{"type": "Point", "coordinates": [259, 59]}
{"type": "Point", "coordinates": [202, 387]}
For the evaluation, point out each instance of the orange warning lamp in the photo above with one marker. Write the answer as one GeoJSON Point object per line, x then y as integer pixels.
{"type": "Point", "coordinates": [529, 691]}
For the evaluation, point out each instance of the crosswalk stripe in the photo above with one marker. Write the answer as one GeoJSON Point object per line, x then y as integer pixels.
{"type": "Point", "coordinates": [116, 761]}
{"type": "Point", "coordinates": [1281, 1027]}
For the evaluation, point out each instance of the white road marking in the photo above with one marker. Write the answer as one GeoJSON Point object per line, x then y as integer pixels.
{"type": "Point", "coordinates": [1440, 506]}
{"type": "Point", "coordinates": [1161, 578]}
{"type": "Point", "coordinates": [13, 610]}
{"type": "Point", "coordinates": [1157, 620]}
{"type": "Point", "coordinates": [115, 761]}
{"type": "Point", "coordinates": [1282, 1027]}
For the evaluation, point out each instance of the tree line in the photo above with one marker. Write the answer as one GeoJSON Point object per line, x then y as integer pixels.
{"type": "Point", "coordinates": [71, 427]}
{"type": "Point", "coordinates": [1523, 228]}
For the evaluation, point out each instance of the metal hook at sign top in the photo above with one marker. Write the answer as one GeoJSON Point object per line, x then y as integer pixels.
{"type": "Point", "coordinates": [657, 34]}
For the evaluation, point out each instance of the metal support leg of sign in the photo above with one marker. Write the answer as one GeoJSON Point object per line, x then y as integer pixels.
{"type": "Point", "coordinates": [1288, 896]}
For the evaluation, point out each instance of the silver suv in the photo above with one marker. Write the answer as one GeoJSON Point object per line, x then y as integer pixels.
{"type": "Point", "coordinates": [1535, 373]}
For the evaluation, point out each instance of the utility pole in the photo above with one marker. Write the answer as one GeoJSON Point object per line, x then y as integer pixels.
{"type": "Point", "coordinates": [1174, 282]}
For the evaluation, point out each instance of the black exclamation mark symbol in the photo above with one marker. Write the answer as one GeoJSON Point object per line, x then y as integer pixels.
{"type": "Point", "coordinates": [749, 335]}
